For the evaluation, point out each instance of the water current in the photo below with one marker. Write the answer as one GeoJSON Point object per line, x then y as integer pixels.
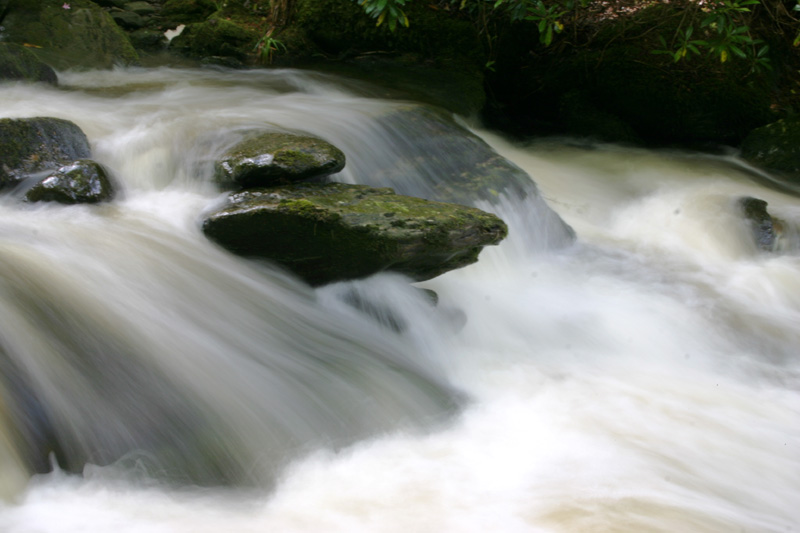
{"type": "Point", "coordinates": [643, 378]}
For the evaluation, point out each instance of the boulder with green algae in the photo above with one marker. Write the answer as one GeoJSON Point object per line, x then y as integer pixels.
{"type": "Point", "coordinates": [17, 63]}
{"type": "Point", "coordinates": [277, 158]}
{"type": "Point", "coordinates": [776, 147]}
{"type": "Point", "coordinates": [80, 182]}
{"type": "Point", "coordinates": [215, 37]}
{"type": "Point", "coordinates": [74, 34]}
{"type": "Point", "coordinates": [32, 145]}
{"type": "Point", "coordinates": [331, 232]}
{"type": "Point", "coordinates": [176, 12]}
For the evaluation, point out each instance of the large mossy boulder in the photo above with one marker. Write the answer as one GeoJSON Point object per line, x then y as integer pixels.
{"type": "Point", "coordinates": [776, 147]}
{"type": "Point", "coordinates": [17, 63]}
{"type": "Point", "coordinates": [213, 38]}
{"type": "Point", "coordinates": [331, 232]}
{"type": "Point", "coordinates": [274, 158]}
{"type": "Point", "coordinates": [32, 145]}
{"type": "Point", "coordinates": [80, 182]}
{"type": "Point", "coordinates": [74, 34]}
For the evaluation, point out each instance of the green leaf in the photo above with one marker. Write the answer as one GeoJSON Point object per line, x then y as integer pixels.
{"type": "Point", "coordinates": [738, 51]}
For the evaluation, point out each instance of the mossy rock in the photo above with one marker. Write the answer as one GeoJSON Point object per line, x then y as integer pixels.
{"type": "Point", "coordinates": [216, 37]}
{"type": "Point", "coordinates": [776, 147]}
{"type": "Point", "coordinates": [331, 232]}
{"type": "Point", "coordinates": [274, 158]}
{"type": "Point", "coordinates": [176, 12]}
{"type": "Point", "coordinates": [83, 36]}
{"type": "Point", "coordinates": [81, 182]}
{"type": "Point", "coordinates": [19, 63]}
{"type": "Point", "coordinates": [144, 9]}
{"type": "Point", "coordinates": [128, 19]}
{"type": "Point", "coordinates": [32, 145]}
{"type": "Point", "coordinates": [150, 41]}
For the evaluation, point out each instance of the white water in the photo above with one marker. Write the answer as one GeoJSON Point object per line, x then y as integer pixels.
{"type": "Point", "coordinates": [644, 379]}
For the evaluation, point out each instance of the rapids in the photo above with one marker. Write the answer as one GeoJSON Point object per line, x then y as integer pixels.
{"type": "Point", "coordinates": [644, 378]}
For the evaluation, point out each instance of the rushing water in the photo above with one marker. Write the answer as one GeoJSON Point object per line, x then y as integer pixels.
{"type": "Point", "coordinates": [645, 378]}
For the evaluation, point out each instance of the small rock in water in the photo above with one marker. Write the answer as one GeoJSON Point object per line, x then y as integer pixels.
{"type": "Point", "coordinates": [276, 159]}
{"type": "Point", "coordinates": [761, 222]}
{"type": "Point", "coordinates": [81, 182]}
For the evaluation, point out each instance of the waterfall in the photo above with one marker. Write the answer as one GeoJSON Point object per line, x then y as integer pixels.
{"type": "Point", "coordinates": [640, 374]}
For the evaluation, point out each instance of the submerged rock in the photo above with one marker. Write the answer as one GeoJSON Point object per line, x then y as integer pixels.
{"type": "Point", "coordinates": [426, 153]}
{"type": "Point", "coordinates": [31, 145]}
{"type": "Point", "coordinates": [19, 63]}
{"type": "Point", "coordinates": [331, 232]}
{"type": "Point", "coordinates": [80, 182]}
{"type": "Point", "coordinates": [277, 158]}
{"type": "Point", "coordinates": [775, 147]}
{"type": "Point", "coordinates": [436, 158]}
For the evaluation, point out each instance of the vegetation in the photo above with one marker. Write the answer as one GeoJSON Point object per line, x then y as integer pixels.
{"type": "Point", "coordinates": [723, 29]}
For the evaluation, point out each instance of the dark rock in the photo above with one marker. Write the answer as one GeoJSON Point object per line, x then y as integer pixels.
{"type": "Point", "coordinates": [111, 3]}
{"type": "Point", "coordinates": [223, 61]}
{"type": "Point", "coordinates": [277, 158]}
{"type": "Point", "coordinates": [215, 37]}
{"type": "Point", "coordinates": [760, 221]}
{"type": "Point", "coordinates": [148, 40]}
{"type": "Point", "coordinates": [38, 144]}
{"type": "Point", "coordinates": [19, 63]}
{"type": "Point", "coordinates": [143, 9]}
{"type": "Point", "coordinates": [82, 36]}
{"type": "Point", "coordinates": [331, 232]}
{"type": "Point", "coordinates": [775, 147]}
{"type": "Point", "coordinates": [186, 11]}
{"type": "Point", "coordinates": [81, 182]}
{"type": "Point", "coordinates": [127, 19]}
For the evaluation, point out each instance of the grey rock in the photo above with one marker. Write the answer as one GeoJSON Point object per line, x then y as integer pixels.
{"type": "Point", "coordinates": [80, 182]}
{"type": "Point", "coordinates": [277, 158]}
{"type": "Point", "coordinates": [332, 232]}
{"type": "Point", "coordinates": [32, 145]}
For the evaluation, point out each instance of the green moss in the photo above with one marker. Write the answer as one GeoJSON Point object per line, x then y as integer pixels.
{"type": "Point", "coordinates": [84, 36]}
{"type": "Point", "coordinates": [35, 144]}
{"type": "Point", "coordinates": [19, 63]}
{"type": "Point", "coordinates": [329, 232]}
{"type": "Point", "coordinates": [215, 37]}
{"type": "Point", "coordinates": [294, 158]}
